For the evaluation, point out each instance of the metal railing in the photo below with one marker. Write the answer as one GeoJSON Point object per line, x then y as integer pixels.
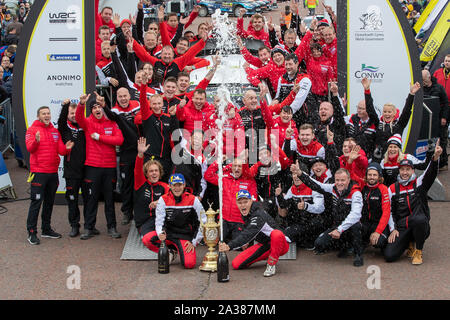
{"type": "Point", "coordinates": [7, 127]}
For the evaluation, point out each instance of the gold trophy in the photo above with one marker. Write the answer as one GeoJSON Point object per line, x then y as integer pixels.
{"type": "Point", "coordinates": [211, 238]}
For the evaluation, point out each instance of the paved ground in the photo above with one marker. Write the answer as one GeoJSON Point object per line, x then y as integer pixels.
{"type": "Point", "coordinates": [41, 272]}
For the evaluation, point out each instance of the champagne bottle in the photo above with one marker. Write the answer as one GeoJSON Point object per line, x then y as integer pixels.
{"type": "Point", "coordinates": [222, 267]}
{"type": "Point", "coordinates": [163, 258]}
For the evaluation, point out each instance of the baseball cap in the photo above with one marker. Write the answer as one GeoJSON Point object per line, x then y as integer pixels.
{"type": "Point", "coordinates": [176, 178]}
{"type": "Point", "coordinates": [406, 162]}
{"type": "Point", "coordinates": [125, 21]}
{"type": "Point", "coordinates": [243, 194]}
{"type": "Point", "coordinates": [323, 23]}
{"type": "Point", "coordinates": [375, 166]}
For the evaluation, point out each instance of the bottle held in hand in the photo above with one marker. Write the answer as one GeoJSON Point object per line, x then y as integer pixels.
{"type": "Point", "coordinates": [163, 258]}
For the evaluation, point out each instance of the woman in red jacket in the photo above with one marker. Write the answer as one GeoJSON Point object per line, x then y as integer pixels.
{"type": "Point", "coordinates": [44, 144]}
{"type": "Point", "coordinates": [102, 137]}
{"type": "Point", "coordinates": [272, 71]}
{"type": "Point", "coordinates": [320, 69]}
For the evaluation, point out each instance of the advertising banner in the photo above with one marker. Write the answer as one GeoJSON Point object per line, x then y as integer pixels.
{"type": "Point", "coordinates": [379, 45]}
{"type": "Point", "coordinates": [55, 61]}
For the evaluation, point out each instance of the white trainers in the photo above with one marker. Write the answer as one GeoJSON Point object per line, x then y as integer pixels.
{"type": "Point", "coordinates": [172, 256]}
{"type": "Point", "coordinates": [270, 271]}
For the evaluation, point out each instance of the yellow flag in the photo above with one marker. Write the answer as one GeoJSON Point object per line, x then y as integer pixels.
{"type": "Point", "coordinates": [434, 41]}
{"type": "Point", "coordinates": [424, 16]}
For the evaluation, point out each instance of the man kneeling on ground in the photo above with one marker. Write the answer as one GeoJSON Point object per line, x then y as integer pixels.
{"type": "Point", "coordinates": [259, 226]}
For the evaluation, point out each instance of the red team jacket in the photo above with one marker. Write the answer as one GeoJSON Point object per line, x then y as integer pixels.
{"type": "Point", "coordinates": [101, 153]}
{"type": "Point", "coordinates": [44, 155]}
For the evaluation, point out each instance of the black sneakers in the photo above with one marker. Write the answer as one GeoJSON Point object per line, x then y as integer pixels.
{"type": "Point", "coordinates": [358, 260]}
{"type": "Point", "coordinates": [74, 232]}
{"type": "Point", "coordinates": [87, 234]}
{"type": "Point", "coordinates": [33, 239]}
{"type": "Point", "coordinates": [50, 234]}
{"type": "Point", "coordinates": [113, 233]}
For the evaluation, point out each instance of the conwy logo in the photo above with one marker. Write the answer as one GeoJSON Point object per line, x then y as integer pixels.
{"type": "Point", "coordinates": [369, 72]}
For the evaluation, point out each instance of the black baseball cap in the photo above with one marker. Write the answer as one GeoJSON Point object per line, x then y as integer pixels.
{"type": "Point", "coordinates": [406, 162]}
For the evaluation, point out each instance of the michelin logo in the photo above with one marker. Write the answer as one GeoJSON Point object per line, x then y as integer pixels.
{"type": "Point", "coordinates": [63, 57]}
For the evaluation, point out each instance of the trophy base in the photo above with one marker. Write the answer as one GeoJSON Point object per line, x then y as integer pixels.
{"type": "Point", "coordinates": [209, 262]}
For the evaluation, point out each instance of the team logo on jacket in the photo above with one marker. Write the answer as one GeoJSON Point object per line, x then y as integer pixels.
{"type": "Point", "coordinates": [55, 136]}
{"type": "Point", "coordinates": [108, 131]}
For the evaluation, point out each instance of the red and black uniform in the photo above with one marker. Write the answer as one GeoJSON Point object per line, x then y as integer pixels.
{"type": "Point", "coordinates": [259, 226]}
{"type": "Point", "coordinates": [179, 218]}
{"type": "Point", "coordinates": [157, 129]}
{"type": "Point", "coordinates": [364, 132]}
{"type": "Point", "coordinates": [193, 118]}
{"type": "Point", "coordinates": [268, 178]}
{"type": "Point", "coordinates": [410, 214]}
{"type": "Point", "coordinates": [100, 164]}
{"type": "Point", "coordinates": [165, 40]}
{"type": "Point", "coordinates": [277, 126]}
{"type": "Point", "coordinates": [385, 130]}
{"type": "Point", "coordinates": [336, 124]}
{"type": "Point", "coordinates": [192, 165]}
{"type": "Point", "coordinates": [100, 22]}
{"type": "Point", "coordinates": [375, 213]}
{"type": "Point", "coordinates": [251, 59]}
{"type": "Point", "coordinates": [105, 71]}
{"type": "Point", "coordinates": [304, 226]}
{"type": "Point", "coordinates": [233, 134]}
{"type": "Point", "coordinates": [391, 167]}
{"type": "Point", "coordinates": [271, 71]}
{"type": "Point", "coordinates": [162, 70]}
{"type": "Point", "coordinates": [251, 32]}
{"type": "Point", "coordinates": [124, 80]}
{"type": "Point", "coordinates": [346, 215]}
{"type": "Point", "coordinates": [188, 95]}
{"type": "Point", "coordinates": [145, 193]}
{"type": "Point", "coordinates": [44, 162]}
{"type": "Point", "coordinates": [124, 117]}
{"type": "Point", "coordinates": [295, 150]}
{"type": "Point", "coordinates": [172, 31]}
{"type": "Point", "coordinates": [73, 164]}
{"type": "Point", "coordinates": [232, 219]}
{"type": "Point", "coordinates": [321, 72]}
{"type": "Point", "coordinates": [253, 122]}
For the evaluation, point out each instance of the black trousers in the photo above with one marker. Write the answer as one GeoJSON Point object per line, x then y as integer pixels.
{"type": "Point", "coordinates": [305, 233]}
{"type": "Point", "coordinates": [126, 188]}
{"type": "Point", "coordinates": [350, 238]}
{"type": "Point", "coordinates": [73, 187]}
{"type": "Point", "coordinates": [43, 190]}
{"type": "Point", "coordinates": [418, 230]}
{"type": "Point", "coordinates": [369, 228]}
{"type": "Point", "coordinates": [99, 181]}
{"type": "Point", "coordinates": [443, 136]}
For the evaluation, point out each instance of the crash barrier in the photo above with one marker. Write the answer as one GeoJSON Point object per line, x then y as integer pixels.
{"type": "Point", "coordinates": [429, 127]}
{"type": "Point", "coordinates": [6, 187]}
{"type": "Point", "coordinates": [429, 133]}
{"type": "Point", "coordinates": [6, 126]}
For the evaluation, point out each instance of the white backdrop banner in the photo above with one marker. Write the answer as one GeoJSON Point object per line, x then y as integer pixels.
{"type": "Point", "coordinates": [377, 49]}
{"type": "Point", "coordinates": [55, 50]}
